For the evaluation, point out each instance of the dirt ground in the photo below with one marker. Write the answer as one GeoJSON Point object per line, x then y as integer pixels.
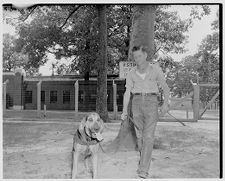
{"type": "Point", "coordinates": [37, 150]}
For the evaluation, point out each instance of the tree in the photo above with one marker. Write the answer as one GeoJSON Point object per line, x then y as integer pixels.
{"type": "Point", "coordinates": [101, 102]}
{"type": "Point", "coordinates": [208, 54]}
{"type": "Point", "coordinates": [204, 65]}
{"type": "Point", "coordinates": [9, 61]}
{"type": "Point", "coordinates": [13, 59]}
{"type": "Point", "coordinates": [143, 29]}
{"type": "Point", "coordinates": [169, 30]}
{"type": "Point", "coordinates": [62, 31]}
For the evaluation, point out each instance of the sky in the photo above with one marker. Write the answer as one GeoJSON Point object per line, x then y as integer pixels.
{"type": "Point", "coordinates": [197, 33]}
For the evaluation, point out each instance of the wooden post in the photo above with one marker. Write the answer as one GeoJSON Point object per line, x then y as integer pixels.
{"type": "Point", "coordinates": [4, 94]}
{"type": "Point", "coordinates": [115, 109]}
{"type": "Point", "coordinates": [196, 102]}
{"type": "Point", "coordinates": [39, 99]}
{"type": "Point", "coordinates": [76, 85]}
{"type": "Point", "coordinates": [44, 111]}
{"type": "Point", "coordinates": [187, 112]}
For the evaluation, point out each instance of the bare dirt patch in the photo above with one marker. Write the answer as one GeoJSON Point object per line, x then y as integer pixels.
{"type": "Point", "coordinates": [42, 151]}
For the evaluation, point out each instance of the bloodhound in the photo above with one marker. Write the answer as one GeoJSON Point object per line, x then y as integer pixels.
{"type": "Point", "coordinates": [86, 142]}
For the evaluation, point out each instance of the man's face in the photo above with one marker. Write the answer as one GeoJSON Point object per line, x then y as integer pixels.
{"type": "Point", "coordinates": [139, 56]}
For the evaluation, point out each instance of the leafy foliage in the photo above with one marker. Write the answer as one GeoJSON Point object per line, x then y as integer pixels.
{"type": "Point", "coordinates": [170, 31]}
{"type": "Point", "coordinates": [178, 76]}
{"type": "Point", "coordinates": [70, 31]}
{"type": "Point", "coordinates": [209, 56]}
{"type": "Point", "coordinates": [11, 58]}
{"type": "Point", "coordinates": [203, 67]}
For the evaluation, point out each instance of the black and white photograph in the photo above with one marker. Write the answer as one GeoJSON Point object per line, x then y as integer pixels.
{"type": "Point", "coordinates": [112, 91]}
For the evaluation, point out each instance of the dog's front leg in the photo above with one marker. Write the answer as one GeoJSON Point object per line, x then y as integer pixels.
{"type": "Point", "coordinates": [75, 164]}
{"type": "Point", "coordinates": [95, 166]}
{"type": "Point", "coordinates": [86, 164]}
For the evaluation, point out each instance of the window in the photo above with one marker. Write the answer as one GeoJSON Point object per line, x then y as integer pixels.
{"type": "Point", "coordinates": [119, 97]}
{"type": "Point", "coordinates": [66, 97]}
{"type": "Point", "coordinates": [93, 97]}
{"type": "Point", "coordinates": [53, 96]}
{"type": "Point", "coordinates": [42, 96]}
{"type": "Point", "coordinates": [108, 96]}
{"type": "Point", "coordinates": [81, 96]}
{"type": "Point", "coordinates": [28, 97]}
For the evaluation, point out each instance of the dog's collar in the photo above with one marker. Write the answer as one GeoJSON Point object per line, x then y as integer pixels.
{"type": "Point", "coordinates": [84, 139]}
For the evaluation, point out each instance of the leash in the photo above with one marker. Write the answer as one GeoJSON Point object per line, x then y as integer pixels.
{"type": "Point", "coordinates": [176, 119]}
{"type": "Point", "coordinates": [131, 119]}
{"type": "Point", "coordinates": [103, 150]}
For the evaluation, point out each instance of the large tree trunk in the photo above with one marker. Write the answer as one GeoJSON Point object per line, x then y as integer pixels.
{"type": "Point", "coordinates": [87, 62]}
{"type": "Point", "coordinates": [101, 102]}
{"type": "Point", "coordinates": [143, 29]}
{"type": "Point", "coordinates": [142, 34]}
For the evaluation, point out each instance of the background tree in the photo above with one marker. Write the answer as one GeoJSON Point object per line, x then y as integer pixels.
{"type": "Point", "coordinates": [101, 102]}
{"type": "Point", "coordinates": [13, 59]}
{"type": "Point", "coordinates": [208, 54]}
{"type": "Point", "coordinates": [59, 30]}
{"type": "Point", "coordinates": [8, 51]}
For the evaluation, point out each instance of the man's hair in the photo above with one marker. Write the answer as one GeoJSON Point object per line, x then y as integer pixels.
{"type": "Point", "coordinates": [142, 48]}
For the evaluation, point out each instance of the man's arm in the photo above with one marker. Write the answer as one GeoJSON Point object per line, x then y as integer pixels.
{"type": "Point", "coordinates": [126, 96]}
{"type": "Point", "coordinates": [166, 91]}
{"type": "Point", "coordinates": [126, 99]}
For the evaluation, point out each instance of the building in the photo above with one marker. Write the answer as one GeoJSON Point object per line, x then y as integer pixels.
{"type": "Point", "coordinates": [58, 92]}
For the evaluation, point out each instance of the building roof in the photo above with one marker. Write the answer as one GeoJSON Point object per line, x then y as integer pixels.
{"type": "Point", "coordinates": [65, 78]}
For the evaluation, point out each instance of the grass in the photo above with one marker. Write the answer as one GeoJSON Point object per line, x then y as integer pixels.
{"type": "Point", "coordinates": [70, 115]}
{"type": "Point", "coordinates": [63, 115]}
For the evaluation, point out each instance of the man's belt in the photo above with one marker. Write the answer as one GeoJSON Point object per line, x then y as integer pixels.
{"type": "Point", "coordinates": [146, 94]}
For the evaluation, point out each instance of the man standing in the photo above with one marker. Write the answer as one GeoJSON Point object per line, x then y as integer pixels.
{"type": "Point", "coordinates": [142, 82]}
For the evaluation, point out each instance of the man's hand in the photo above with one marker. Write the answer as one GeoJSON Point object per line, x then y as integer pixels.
{"type": "Point", "coordinates": [164, 109]}
{"type": "Point", "coordinates": [124, 116]}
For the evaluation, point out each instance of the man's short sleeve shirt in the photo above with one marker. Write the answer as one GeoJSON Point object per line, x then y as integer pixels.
{"type": "Point", "coordinates": [154, 76]}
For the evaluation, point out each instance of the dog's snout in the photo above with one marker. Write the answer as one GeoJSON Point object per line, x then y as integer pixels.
{"type": "Point", "coordinates": [96, 127]}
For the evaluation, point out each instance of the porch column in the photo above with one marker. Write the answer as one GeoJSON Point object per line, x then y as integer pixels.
{"type": "Point", "coordinates": [39, 99]}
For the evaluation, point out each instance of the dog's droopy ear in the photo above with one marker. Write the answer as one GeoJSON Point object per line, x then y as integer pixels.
{"type": "Point", "coordinates": [102, 126]}
{"type": "Point", "coordinates": [82, 124]}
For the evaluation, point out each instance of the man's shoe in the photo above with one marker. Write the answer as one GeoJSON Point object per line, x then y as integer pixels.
{"type": "Point", "coordinates": [142, 174]}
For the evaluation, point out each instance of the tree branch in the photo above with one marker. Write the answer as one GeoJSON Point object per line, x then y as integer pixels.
{"type": "Point", "coordinates": [156, 51]}
{"type": "Point", "coordinates": [74, 10]}
{"type": "Point", "coordinates": [49, 51]}
{"type": "Point", "coordinates": [166, 41]}
{"type": "Point", "coordinates": [29, 13]}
